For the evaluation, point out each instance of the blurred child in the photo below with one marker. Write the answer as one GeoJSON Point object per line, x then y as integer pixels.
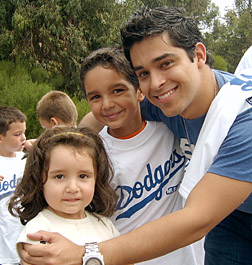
{"type": "Point", "coordinates": [147, 159]}
{"type": "Point", "coordinates": [55, 108]}
{"type": "Point", "coordinates": [12, 139]}
{"type": "Point", "coordinates": [66, 187]}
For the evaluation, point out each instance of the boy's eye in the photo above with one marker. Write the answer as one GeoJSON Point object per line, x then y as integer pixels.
{"type": "Point", "coordinates": [94, 97]}
{"type": "Point", "coordinates": [83, 176]}
{"type": "Point", "coordinates": [118, 90]}
{"type": "Point", "coordinates": [59, 176]}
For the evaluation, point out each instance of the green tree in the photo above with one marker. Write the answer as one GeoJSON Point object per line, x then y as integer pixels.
{"type": "Point", "coordinates": [58, 34]}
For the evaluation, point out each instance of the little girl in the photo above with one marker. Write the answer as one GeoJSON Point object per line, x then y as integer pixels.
{"type": "Point", "coordinates": [66, 187]}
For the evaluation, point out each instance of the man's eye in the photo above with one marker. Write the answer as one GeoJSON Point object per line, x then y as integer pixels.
{"type": "Point", "coordinates": [165, 64]}
{"type": "Point", "coordinates": [142, 74]}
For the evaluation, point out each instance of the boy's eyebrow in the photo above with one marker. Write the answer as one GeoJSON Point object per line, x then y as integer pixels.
{"type": "Point", "coordinates": [113, 86]}
{"type": "Point", "coordinates": [91, 93]}
{"type": "Point", "coordinates": [157, 59]}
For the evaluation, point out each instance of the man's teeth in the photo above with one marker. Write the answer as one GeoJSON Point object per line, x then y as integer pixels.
{"type": "Point", "coordinates": [167, 94]}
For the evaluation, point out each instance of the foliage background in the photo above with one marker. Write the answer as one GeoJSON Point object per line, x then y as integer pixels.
{"type": "Point", "coordinates": [43, 43]}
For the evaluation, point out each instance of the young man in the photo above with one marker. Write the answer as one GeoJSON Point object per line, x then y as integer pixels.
{"type": "Point", "coordinates": [173, 67]}
{"type": "Point", "coordinates": [147, 189]}
{"type": "Point", "coordinates": [12, 139]}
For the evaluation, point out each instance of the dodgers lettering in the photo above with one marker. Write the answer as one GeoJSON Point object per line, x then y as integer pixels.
{"type": "Point", "coordinates": [8, 187]}
{"type": "Point", "coordinates": [154, 183]}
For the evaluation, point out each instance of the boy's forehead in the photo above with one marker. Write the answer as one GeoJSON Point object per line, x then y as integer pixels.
{"type": "Point", "coordinates": [103, 77]}
{"type": "Point", "coordinates": [17, 125]}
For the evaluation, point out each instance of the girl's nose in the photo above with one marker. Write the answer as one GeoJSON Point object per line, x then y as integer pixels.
{"type": "Point", "coordinates": [72, 186]}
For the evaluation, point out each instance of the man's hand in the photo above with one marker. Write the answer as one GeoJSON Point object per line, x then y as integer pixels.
{"type": "Point", "coordinates": [57, 251]}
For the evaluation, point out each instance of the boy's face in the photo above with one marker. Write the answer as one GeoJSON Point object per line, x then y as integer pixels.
{"type": "Point", "coordinates": [167, 76]}
{"type": "Point", "coordinates": [113, 101]}
{"type": "Point", "coordinates": [14, 139]}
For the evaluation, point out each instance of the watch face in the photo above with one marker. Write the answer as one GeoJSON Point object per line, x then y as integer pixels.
{"type": "Point", "coordinates": [93, 261]}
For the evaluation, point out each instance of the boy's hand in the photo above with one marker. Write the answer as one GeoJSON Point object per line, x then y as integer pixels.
{"type": "Point", "coordinates": [29, 143]}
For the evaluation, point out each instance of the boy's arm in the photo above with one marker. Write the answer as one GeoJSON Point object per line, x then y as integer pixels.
{"type": "Point", "coordinates": [29, 143]}
{"type": "Point", "coordinates": [213, 198]}
{"type": "Point", "coordinates": [91, 122]}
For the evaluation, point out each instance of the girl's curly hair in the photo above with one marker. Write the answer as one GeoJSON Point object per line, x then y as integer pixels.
{"type": "Point", "coordinates": [28, 199]}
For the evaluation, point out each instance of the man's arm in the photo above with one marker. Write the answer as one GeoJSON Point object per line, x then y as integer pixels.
{"type": "Point", "coordinates": [213, 198]}
{"type": "Point", "coordinates": [91, 122]}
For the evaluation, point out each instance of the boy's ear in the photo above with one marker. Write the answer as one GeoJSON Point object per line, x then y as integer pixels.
{"type": "Point", "coordinates": [140, 95]}
{"type": "Point", "coordinates": [54, 121]}
{"type": "Point", "coordinates": [1, 138]}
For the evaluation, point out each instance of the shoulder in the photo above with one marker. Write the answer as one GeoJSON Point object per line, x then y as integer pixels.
{"type": "Point", "coordinates": [223, 77]}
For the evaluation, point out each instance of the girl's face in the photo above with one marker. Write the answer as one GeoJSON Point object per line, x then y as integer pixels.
{"type": "Point", "coordinates": [71, 182]}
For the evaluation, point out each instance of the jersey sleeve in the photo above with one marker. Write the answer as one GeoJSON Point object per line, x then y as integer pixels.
{"type": "Point", "coordinates": [234, 157]}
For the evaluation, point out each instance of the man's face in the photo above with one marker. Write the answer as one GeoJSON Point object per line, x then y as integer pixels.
{"type": "Point", "coordinates": [167, 76]}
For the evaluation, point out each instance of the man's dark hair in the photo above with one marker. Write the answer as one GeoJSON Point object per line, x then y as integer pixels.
{"type": "Point", "coordinates": [183, 31]}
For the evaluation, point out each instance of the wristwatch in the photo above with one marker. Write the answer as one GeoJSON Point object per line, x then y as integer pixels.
{"type": "Point", "coordinates": [92, 255]}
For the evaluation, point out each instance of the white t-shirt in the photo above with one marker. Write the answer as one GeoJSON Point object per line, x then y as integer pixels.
{"type": "Point", "coordinates": [79, 231]}
{"type": "Point", "coordinates": [245, 62]}
{"type": "Point", "coordinates": [149, 168]}
{"type": "Point", "coordinates": [12, 169]}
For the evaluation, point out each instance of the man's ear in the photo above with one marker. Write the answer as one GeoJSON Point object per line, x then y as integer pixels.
{"type": "Point", "coordinates": [1, 138]}
{"type": "Point", "coordinates": [140, 95]}
{"type": "Point", "coordinates": [200, 54]}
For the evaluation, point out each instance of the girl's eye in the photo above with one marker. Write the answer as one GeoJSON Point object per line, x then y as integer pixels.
{"type": "Point", "coordinates": [83, 176]}
{"type": "Point", "coordinates": [59, 176]}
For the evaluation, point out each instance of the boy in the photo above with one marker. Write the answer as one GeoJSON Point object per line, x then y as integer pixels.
{"type": "Point", "coordinates": [12, 140]}
{"type": "Point", "coordinates": [56, 108]}
{"type": "Point", "coordinates": [147, 188]}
